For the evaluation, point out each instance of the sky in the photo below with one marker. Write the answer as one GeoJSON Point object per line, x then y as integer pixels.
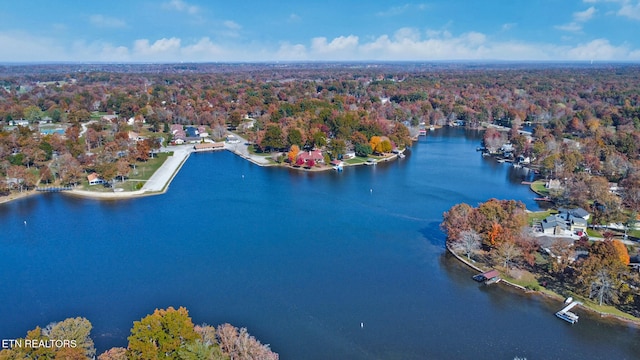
{"type": "Point", "coordinates": [161, 31]}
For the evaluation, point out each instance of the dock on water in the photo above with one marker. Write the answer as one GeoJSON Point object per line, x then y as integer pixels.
{"type": "Point", "coordinates": [568, 316]}
{"type": "Point", "coordinates": [489, 277]}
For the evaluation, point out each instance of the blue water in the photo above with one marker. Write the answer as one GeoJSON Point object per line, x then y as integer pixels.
{"type": "Point", "coordinates": [300, 259]}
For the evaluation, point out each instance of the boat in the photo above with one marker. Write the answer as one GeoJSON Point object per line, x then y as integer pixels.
{"type": "Point", "coordinates": [422, 132]}
{"type": "Point", "coordinates": [567, 315]}
{"type": "Point", "coordinates": [401, 155]}
{"type": "Point", "coordinates": [432, 128]}
{"type": "Point", "coordinates": [371, 161]}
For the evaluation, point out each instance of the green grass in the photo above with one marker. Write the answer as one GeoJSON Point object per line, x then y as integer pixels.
{"type": "Point", "coordinates": [528, 281]}
{"type": "Point", "coordinates": [594, 233]}
{"type": "Point", "coordinates": [144, 170]}
{"type": "Point", "coordinates": [96, 115]}
{"type": "Point", "coordinates": [356, 160]}
{"type": "Point", "coordinates": [539, 215]}
{"type": "Point", "coordinates": [539, 188]}
{"type": "Point", "coordinates": [605, 309]}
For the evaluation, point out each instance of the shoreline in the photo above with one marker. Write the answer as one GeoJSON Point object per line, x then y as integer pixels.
{"type": "Point", "coordinates": [549, 294]}
{"type": "Point", "coordinates": [159, 182]}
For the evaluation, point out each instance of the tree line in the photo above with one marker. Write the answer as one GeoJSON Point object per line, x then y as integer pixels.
{"type": "Point", "coordinates": [165, 334]}
{"type": "Point", "coordinates": [496, 233]}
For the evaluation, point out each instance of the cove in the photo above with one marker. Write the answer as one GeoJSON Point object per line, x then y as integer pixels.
{"type": "Point", "coordinates": [300, 259]}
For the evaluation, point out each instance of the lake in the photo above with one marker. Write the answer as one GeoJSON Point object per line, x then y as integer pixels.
{"type": "Point", "coordinates": [329, 265]}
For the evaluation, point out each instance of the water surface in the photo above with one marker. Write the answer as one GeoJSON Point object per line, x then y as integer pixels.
{"type": "Point", "coordinates": [300, 259]}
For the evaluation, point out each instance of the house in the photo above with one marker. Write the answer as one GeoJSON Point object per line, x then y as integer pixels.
{"type": "Point", "coordinates": [109, 118]}
{"type": "Point", "coordinates": [192, 132]}
{"type": "Point", "coordinates": [94, 179]}
{"type": "Point", "coordinates": [20, 122]}
{"type": "Point", "coordinates": [134, 136]}
{"type": "Point", "coordinates": [554, 225]}
{"type": "Point", "coordinates": [577, 212]}
{"type": "Point", "coordinates": [573, 221]}
{"type": "Point", "coordinates": [309, 158]}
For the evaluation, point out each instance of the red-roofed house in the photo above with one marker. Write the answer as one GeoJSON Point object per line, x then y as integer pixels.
{"type": "Point", "coordinates": [94, 179]}
{"type": "Point", "coordinates": [310, 158]}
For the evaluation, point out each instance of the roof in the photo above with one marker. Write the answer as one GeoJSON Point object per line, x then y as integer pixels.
{"type": "Point", "coordinates": [93, 176]}
{"type": "Point", "coordinates": [315, 155]}
{"type": "Point", "coordinates": [554, 220]}
{"type": "Point", "coordinates": [491, 274]}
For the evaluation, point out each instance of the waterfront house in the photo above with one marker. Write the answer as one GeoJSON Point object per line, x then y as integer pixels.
{"type": "Point", "coordinates": [567, 221]}
{"type": "Point", "coordinates": [94, 179]}
{"type": "Point", "coordinates": [310, 157]}
{"type": "Point", "coordinates": [577, 212]}
{"type": "Point", "coordinates": [554, 225]}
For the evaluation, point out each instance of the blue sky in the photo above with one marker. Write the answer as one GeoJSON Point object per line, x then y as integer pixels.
{"type": "Point", "coordinates": [335, 30]}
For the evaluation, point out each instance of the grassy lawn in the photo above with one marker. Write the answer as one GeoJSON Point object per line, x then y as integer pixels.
{"type": "Point", "coordinates": [594, 233]}
{"type": "Point", "coordinates": [356, 160]}
{"type": "Point", "coordinates": [525, 278]}
{"type": "Point", "coordinates": [538, 187]}
{"type": "Point", "coordinates": [96, 115]}
{"type": "Point", "coordinates": [144, 170]}
{"type": "Point", "coordinates": [606, 309]}
{"type": "Point", "coordinates": [539, 215]}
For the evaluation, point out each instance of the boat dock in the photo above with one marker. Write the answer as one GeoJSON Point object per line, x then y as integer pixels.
{"type": "Point", "coordinates": [488, 277]}
{"type": "Point", "coordinates": [566, 315]}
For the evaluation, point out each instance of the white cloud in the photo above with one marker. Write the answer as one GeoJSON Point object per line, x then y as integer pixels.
{"type": "Point", "coordinates": [631, 11]}
{"type": "Point", "coordinates": [600, 49]}
{"type": "Point", "coordinates": [337, 46]}
{"type": "Point", "coordinates": [161, 50]}
{"type": "Point", "coordinates": [399, 10]}
{"type": "Point", "coordinates": [232, 25]}
{"type": "Point", "coordinates": [508, 26]}
{"type": "Point", "coordinates": [294, 18]}
{"type": "Point", "coordinates": [181, 6]}
{"type": "Point", "coordinates": [106, 22]}
{"type": "Point", "coordinates": [404, 44]}
{"type": "Point", "coordinates": [291, 52]}
{"type": "Point", "coordinates": [586, 15]}
{"type": "Point", "coordinates": [579, 18]}
{"type": "Point", "coordinates": [572, 26]}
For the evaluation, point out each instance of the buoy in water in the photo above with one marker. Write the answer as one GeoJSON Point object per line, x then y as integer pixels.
{"type": "Point", "coordinates": [361, 325]}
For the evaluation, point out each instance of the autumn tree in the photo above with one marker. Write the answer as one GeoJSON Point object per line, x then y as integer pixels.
{"type": "Point", "coordinates": [238, 344]}
{"type": "Point", "coordinates": [599, 276]}
{"type": "Point", "coordinates": [293, 153]}
{"type": "Point", "coordinates": [161, 334]}
{"type": "Point", "coordinates": [456, 220]}
{"type": "Point", "coordinates": [116, 353]}
{"type": "Point", "coordinates": [77, 329]}
{"type": "Point", "coordinates": [468, 242]}
{"type": "Point", "coordinates": [507, 252]}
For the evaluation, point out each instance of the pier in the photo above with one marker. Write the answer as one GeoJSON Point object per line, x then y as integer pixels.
{"type": "Point", "coordinates": [566, 315]}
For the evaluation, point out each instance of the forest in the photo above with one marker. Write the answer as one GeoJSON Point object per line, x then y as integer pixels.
{"type": "Point", "coordinates": [585, 119]}
{"type": "Point", "coordinates": [165, 334]}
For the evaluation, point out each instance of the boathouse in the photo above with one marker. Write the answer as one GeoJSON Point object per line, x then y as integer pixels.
{"type": "Point", "coordinates": [490, 276]}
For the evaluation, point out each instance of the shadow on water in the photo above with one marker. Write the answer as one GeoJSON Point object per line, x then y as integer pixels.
{"type": "Point", "coordinates": [433, 234]}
